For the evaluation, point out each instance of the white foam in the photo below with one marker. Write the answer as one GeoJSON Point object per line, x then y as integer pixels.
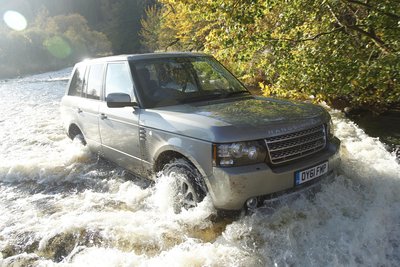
{"type": "Point", "coordinates": [55, 191]}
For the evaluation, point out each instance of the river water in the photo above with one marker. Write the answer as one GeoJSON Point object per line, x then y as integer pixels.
{"type": "Point", "coordinates": [62, 206]}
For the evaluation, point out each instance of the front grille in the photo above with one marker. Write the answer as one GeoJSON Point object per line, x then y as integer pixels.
{"type": "Point", "coordinates": [288, 147]}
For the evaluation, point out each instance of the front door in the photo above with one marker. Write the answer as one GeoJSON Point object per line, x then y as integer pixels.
{"type": "Point", "coordinates": [119, 128]}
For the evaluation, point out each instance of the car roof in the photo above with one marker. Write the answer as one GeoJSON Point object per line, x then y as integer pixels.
{"type": "Point", "coordinates": [134, 57]}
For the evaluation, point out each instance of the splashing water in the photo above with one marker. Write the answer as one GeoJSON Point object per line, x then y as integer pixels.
{"type": "Point", "coordinates": [62, 206]}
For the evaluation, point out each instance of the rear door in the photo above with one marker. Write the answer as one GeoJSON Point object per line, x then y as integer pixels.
{"type": "Point", "coordinates": [88, 108]}
{"type": "Point", "coordinates": [119, 128]}
{"type": "Point", "coordinates": [71, 101]}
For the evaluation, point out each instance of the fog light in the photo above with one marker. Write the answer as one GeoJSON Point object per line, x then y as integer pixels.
{"type": "Point", "coordinates": [252, 203]}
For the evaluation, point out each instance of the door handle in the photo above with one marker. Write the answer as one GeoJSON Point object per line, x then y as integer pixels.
{"type": "Point", "coordinates": [103, 116]}
{"type": "Point", "coordinates": [79, 110]}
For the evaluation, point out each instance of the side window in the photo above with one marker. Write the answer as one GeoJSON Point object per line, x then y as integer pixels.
{"type": "Point", "coordinates": [95, 79]}
{"type": "Point", "coordinates": [76, 86]}
{"type": "Point", "coordinates": [118, 79]}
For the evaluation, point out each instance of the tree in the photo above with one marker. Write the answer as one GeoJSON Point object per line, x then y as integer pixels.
{"type": "Point", "coordinates": [118, 19]}
{"type": "Point", "coordinates": [173, 26]}
{"type": "Point", "coordinates": [50, 43]}
{"type": "Point", "coordinates": [122, 24]}
{"type": "Point", "coordinates": [345, 50]}
{"type": "Point", "coordinates": [151, 27]}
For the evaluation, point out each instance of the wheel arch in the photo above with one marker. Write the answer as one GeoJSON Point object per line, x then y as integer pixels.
{"type": "Point", "coordinates": [74, 130]}
{"type": "Point", "coordinates": [168, 155]}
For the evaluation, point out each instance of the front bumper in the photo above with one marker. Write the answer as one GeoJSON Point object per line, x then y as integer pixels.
{"type": "Point", "coordinates": [231, 187]}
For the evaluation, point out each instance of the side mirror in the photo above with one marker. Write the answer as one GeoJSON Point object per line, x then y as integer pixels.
{"type": "Point", "coordinates": [119, 100]}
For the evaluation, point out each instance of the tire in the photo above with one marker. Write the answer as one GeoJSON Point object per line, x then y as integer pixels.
{"type": "Point", "coordinates": [189, 188]}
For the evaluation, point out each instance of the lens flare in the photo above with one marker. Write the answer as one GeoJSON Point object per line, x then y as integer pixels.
{"type": "Point", "coordinates": [15, 20]}
{"type": "Point", "coordinates": [58, 47]}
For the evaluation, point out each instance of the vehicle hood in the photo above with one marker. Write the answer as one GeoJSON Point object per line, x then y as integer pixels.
{"type": "Point", "coordinates": [239, 119]}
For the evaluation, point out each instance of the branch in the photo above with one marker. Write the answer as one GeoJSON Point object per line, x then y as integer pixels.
{"type": "Point", "coordinates": [389, 14]}
{"type": "Point", "coordinates": [313, 38]}
{"type": "Point", "coordinates": [379, 42]}
{"type": "Point", "coordinates": [171, 44]}
{"type": "Point", "coordinates": [335, 16]}
{"type": "Point", "coordinates": [316, 36]}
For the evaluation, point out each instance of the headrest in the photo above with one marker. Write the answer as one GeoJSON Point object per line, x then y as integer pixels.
{"type": "Point", "coordinates": [143, 74]}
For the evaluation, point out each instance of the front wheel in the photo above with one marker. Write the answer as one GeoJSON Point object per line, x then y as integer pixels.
{"type": "Point", "coordinates": [188, 183]}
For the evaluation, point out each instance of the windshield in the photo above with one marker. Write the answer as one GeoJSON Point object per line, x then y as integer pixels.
{"type": "Point", "coordinates": [178, 80]}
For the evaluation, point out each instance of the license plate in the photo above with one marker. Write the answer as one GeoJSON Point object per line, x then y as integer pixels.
{"type": "Point", "coordinates": [310, 173]}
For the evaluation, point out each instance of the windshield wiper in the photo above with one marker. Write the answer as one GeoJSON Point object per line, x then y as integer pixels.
{"type": "Point", "coordinates": [198, 98]}
{"type": "Point", "coordinates": [213, 96]}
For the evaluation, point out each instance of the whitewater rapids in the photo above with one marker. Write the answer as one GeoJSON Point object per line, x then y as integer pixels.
{"type": "Point", "coordinates": [62, 206]}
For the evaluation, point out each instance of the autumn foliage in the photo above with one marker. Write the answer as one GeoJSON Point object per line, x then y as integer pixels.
{"type": "Point", "coordinates": [345, 52]}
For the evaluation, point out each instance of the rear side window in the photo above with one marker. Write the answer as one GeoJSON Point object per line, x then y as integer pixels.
{"type": "Point", "coordinates": [95, 80]}
{"type": "Point", "coordinates": [76, 86]}
{"type": "Point", "coordinates": [119, 79]}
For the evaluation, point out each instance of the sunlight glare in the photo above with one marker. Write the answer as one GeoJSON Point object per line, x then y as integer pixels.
{"type": "Point", "coordinates": [15, 20]}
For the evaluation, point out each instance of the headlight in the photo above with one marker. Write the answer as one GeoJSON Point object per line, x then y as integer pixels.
{"type": "Point", "coordinates": [239, 153]}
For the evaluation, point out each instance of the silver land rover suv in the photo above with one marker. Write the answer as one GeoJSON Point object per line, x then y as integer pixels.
{"type": "Point", "coordinates": [186, 115]}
